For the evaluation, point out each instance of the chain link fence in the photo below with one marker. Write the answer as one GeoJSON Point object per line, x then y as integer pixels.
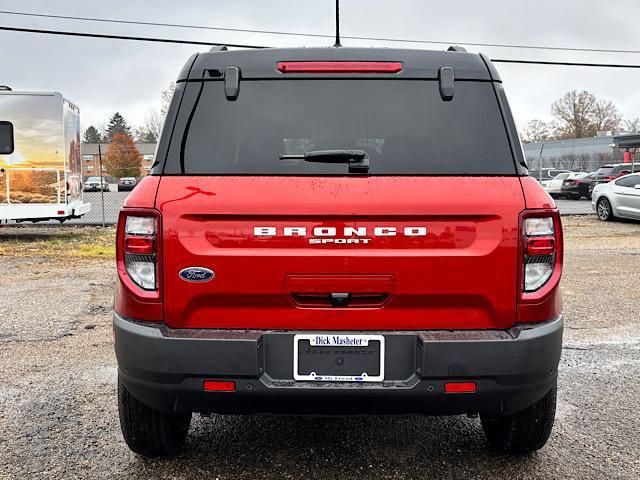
{"type": "Point", "coordinates": [113, 201]}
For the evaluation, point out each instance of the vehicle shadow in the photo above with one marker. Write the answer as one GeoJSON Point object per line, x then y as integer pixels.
{"type": "Point", "coordinates": [336, 447]}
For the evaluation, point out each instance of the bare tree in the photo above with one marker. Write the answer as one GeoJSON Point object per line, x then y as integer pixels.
{"type": "Point", "coordinates": [581, 114]}
{"type": "Point", "coordinates": [166, 95]}
{"type": "Point", "coordinates": [606, 116]}
{"type": "Point", "coordinates": [153, 122]}
{"type": "Point", "coordinates": [631, 125]}
{"type": "Point", "coordinates": [536, 131]}
{"type": "Point", "coordinates": [574, 114]}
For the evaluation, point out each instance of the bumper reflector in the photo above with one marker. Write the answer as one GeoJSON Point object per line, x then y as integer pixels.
{"type": "Point", "coordinates": [219, 386]}
{"type": "Point", "coordinates": [460, 387]}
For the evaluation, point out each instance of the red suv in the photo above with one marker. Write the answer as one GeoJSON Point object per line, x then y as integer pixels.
{"type": "Point", "coordinates": [338, 231]}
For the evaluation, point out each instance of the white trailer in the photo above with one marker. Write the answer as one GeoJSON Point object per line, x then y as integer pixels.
{"type": "Point", "coordinates": [40, 159]}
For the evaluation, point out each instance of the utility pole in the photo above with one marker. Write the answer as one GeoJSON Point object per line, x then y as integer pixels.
{"type": "Point", "coordinates": [101, 182]}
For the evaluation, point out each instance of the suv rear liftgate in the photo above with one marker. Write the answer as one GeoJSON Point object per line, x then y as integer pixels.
{"type": "Point", "coordinates": [339, 231]}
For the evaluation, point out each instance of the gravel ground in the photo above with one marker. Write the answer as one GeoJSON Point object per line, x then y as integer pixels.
{"type": "Point", "coordinates": [58, 416]}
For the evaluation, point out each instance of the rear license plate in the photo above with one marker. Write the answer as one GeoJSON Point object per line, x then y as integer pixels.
{"type": "Point", "coordinates": [338, 358]}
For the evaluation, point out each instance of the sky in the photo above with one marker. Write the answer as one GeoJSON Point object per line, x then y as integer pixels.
{"type": "Point", "coordinates": [104, 76]}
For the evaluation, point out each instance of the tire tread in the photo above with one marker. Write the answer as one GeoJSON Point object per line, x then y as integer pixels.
{"type": "Point", "coordinates": [147, 431]}
{"type": "Point", "coordinates": [525, 431]}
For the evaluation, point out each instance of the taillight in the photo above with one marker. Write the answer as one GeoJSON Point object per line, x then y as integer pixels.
{"type": "Point", "coordinates": [140, 258]}
{"type": "Point", "coordinates": [540, 255]}
{"type": "Point", "coordinates": [339, 67]}
{"type": "Point", "coordinates": [539, 248]}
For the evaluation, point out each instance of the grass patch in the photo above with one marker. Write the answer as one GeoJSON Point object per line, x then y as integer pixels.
{"type": "Point", "coordinates": [78, 242]}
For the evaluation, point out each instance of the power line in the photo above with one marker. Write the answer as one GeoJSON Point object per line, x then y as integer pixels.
{"type": "Point", "coordinates": [318, 35]}
{"type": "Point", "coordinates": [565, 64]}
{"type": "Point", "coordinates": [124, 37]}
{"type": "Point", "coordinates": [196, 42]}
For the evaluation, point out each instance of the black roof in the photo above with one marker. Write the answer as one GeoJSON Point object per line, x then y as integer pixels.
{"type": "Point", "coordinates": [417, 64]}
{"type": "Point", "coordinates": [627, 141]}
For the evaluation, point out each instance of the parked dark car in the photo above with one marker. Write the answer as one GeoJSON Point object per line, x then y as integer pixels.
{"type": "Point", "coordinates": [606, 173]}
{"type": "Point", "coordinates": [576, 188]}
{"type": "Point", "coordinates": [126, 184]}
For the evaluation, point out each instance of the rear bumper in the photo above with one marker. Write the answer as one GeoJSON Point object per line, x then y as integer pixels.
{"type": "Point", "coordinates": [165, 368]}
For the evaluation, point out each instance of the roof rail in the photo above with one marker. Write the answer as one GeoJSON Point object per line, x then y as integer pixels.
{"type": "Point", "coordinates": [455, 48]}
{"type": "Point", "coordinates": [219, 48]}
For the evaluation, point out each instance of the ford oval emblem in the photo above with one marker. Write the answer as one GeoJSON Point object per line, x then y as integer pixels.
{"type": "Point", "coordinates": [197, 274]}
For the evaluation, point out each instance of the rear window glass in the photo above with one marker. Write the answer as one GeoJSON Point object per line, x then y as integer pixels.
{"type": "Point", "coordinates": [630, 181]}
{"type": "Point", "coordinates": [604, 170]}
{"type": "Point", "coordinates": [403, 126]}
{"type": "Point", "coordinates": [622, 168]}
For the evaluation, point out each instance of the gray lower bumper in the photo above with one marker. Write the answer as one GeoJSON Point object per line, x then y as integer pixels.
{"type": "Point", "coordinates": [165, 368]}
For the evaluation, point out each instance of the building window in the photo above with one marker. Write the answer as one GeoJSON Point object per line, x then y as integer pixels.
{"type": "Point", "coordinates": [148, 158]}
{"type": "Point", "coordinates": [87, 158]}
{"type": "Point", "coordinates": [89, 168]}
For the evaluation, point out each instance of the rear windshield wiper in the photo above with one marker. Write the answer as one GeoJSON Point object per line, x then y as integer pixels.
{"type": "Point", "coordinates": [357, 159]}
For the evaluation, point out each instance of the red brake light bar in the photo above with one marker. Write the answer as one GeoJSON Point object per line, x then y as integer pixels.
{"type": "Point", "coordinates": [339, 67]}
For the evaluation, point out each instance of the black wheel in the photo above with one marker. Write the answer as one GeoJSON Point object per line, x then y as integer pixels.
{"type": "Point", "coordinates": [603, 209]}
{"type": "Point", "coordinates": [147, 431]}
{"type": "Point", "coordinates": [525, 431]}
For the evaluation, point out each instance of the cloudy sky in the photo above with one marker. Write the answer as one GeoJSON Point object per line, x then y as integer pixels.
{"type": "Point", "coordinates": [103, 76]}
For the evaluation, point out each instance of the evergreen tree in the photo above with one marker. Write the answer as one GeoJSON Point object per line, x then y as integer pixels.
{"type": "Point", "coordinates": [117, 124]}
{"type": "Point", "coordinates": [92, 135]}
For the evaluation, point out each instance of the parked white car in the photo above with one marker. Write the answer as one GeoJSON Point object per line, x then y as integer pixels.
{"type": "Point", "coordinates": [554, 186]}
{"type": "Point", "coordinates": [618, 198]}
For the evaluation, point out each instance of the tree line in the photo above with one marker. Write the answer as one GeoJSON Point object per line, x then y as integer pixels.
{"type": "Point", "coordinates": [149, 132]}
{"type": "Point", "coordinates": [579, 115]}
{"type": "Point", "coordinates": [122, 158]}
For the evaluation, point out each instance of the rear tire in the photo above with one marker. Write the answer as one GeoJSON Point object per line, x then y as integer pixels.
{"type": "Point", "coordinates": [604, 209]}
{"type": "Point", "coordinates": [525, 431]}
{"type": "Point", "coordinates": [147, 431]}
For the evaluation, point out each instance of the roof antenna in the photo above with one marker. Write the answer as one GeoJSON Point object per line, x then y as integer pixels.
{"type": "Point", "coordinates": [337, 44]}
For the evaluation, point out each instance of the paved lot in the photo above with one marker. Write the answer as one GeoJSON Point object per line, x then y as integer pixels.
{"type": "Point", "coordinates": [574, 207]}
{"type": "Point", "coordinates": [58, 416]}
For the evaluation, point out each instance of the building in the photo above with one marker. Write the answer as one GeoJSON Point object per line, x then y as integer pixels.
{"type": "Point", "coordinates": [576, 153]}
{"type": "Point", "coordinates": [91, 161]}
{"type": "Point", "coordinates": [586, 154]}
